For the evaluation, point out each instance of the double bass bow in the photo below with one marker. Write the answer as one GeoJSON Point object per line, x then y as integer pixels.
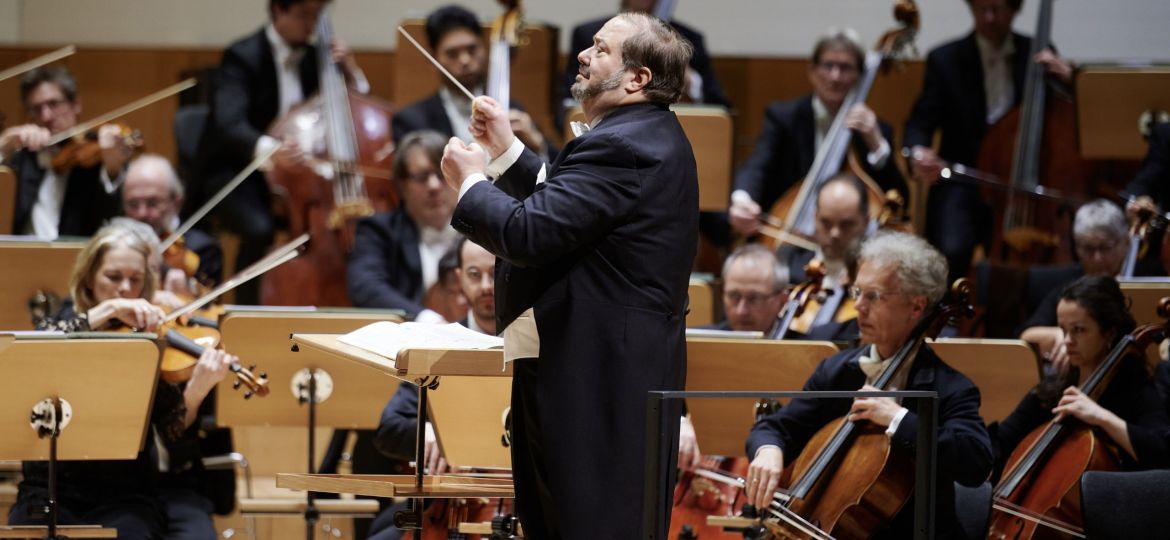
{"type": "Point", "coordinates": [1039, 494]}
{"type": "Point", "coordinates": [347, 136]}
{"type": "Point", "coordinates": [847, 483]}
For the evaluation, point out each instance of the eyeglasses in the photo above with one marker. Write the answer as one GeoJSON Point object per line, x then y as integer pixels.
{"type": "Point", "coordinates": [749, 299]}
{"type": "Point", "coordinates": [844, 67]}
{"type": "Point", "coordinates": [422, 177]}
{"type": "Point", "coordinates": [1087, 249]}
{"type": "Point", "coordinates": [53, 104]}
{"type": "Point", "coordinates": [870, 295]}
{"type": "Point", "coordinates": [150, 203]}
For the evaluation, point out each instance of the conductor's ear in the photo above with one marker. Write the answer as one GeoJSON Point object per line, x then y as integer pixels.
{"type": "Point", "coordinates": [641, 78]}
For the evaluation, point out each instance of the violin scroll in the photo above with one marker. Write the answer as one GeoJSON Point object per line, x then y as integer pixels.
{"type": "Point", "coordinates": [256, 383]}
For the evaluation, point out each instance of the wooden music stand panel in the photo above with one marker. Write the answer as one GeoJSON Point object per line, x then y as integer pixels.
{"type": "Point", "coordinates": [388, 486]}
{"type": "Point", "coordinates": [534, 70]}
{"type": "Point", "coordinates": [7, 199]}
{"type": "Point", "coordinates": [31, 265]}
{"type": "Point", "coordinates": [1143, 296]}
{"type": "Point", "coordinates": [412, 364]}
{"type": "Point", "coordinates": [709, 129]}
{"type": "Point", "coordinates": [109, 384]}
{"type": "Point", "coordinates": [1005, 370]}
{"type": "Point", "coordinates": [1110, 103]}
{"type": "Point", "coordinates": [722, 425]}
{"type": "Point", "coordinates": [701, 308]}
{"type": "Point", "coordinates": [262, 337]}
{"type": "Point", "coordinates": [468, 415]}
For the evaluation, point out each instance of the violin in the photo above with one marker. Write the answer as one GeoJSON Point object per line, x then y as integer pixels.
{"type": "Point", "coordinates": [84, 150]}
{"type": "Point", "coordinates": [799, 298]}
{"type": "Point", "coordinates": [1039, 494]}
{"type": "Point", "coordinates": [848, 483]}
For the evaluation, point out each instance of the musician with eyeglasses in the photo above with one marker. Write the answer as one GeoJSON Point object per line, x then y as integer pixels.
{"type": "Point", "coordinates": [899, 278]}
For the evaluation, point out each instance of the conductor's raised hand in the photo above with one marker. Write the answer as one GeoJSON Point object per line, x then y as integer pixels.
{"type": "Point", "coordinates": [461, 160]}
{"type": "Point", "coordinates": [491, 126]}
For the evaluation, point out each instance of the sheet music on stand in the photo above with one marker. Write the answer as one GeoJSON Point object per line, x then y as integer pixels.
{"type": "Point", "coordinates": [388, 339]}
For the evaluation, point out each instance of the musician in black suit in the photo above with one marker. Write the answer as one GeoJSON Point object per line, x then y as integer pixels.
{"type": "Point", "coordinates": [753, 290]}
{"type": "Point", "coordinates": [70, 202]}
{"type": "Point", "coordinates": [702, 86]}
{"type": "Point", "coordinates": [456, 41]}
{"type": "Point", "coordinates": [899, 279]}
{"type": "Point", "coordinates": [970, 83]}
{"type": "Point", "coordinates": [594, 258]}
{"type": "Point", "coordinates": [793, 131]}
{"type": "Point", "coordinates": [153, 194]}
{"type": "Point", "coordinates": [250, 93]}
{"type": "Point", "coordinates": [1151, 187]}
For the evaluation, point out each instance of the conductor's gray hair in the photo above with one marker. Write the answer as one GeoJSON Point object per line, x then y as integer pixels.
{"type": "Point", "coordinates": [920, 269]}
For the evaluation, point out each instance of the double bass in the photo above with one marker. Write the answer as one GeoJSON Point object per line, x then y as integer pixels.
{"type": "Point", "coordinates": [848, 483]}
{"type": "Point", "coordinates": [1039, 494]}
{"type": "Point", "coordinates": [348, 136]}
{"type": "Point", "coordinates": [1035, 147]}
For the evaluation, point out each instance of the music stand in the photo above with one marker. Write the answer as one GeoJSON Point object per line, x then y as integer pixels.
{"type": "Point", "coordinates": [60, 387]}
{"type": "Point", "coordinates": [709, 129]}
{"type": "Point", "coordinates": [7, 199]}
{"type": "Point", "coordinates": [31, 265]}
{"type": "Point", "coordinates": [469, 415]}
{"type": "Point", "coordinates": [339, 393]}
{"type": "Point", "coordinates": [722, 425]}
{"type": "Point", "coordinates": [1111, 102]}
{"type": "Point", "coordinates": [1009, 366]}
{"type": "Point", "coordinates": [422, 367]}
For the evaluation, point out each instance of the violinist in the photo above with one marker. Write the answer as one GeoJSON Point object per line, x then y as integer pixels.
{"type": "Point", "coordinates": [753, 290]}
{"type": "Point", "coordinates": [153, 194]}
{"type": "Point", "coordinates": [456, 41]}
{"type": "Point", "coordinates": [69, 200]}
{"type": "Point", "coordinates": [1100, 238]}
{"type": "Point", "coordinates": [970, 83]}
{"type": "Point", "coordinates": [1093, 315]}
{"type": "Point", "coordinates": [794, 129]}
{"type": "Point", "coordinates": [260, 78]}
{"type": "Point", "coordinates": [899, 278]}
{"type": "Point", "coordinates": [109, 286]}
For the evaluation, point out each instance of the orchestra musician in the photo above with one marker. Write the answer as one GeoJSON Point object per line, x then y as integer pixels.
{"type": "Point", "coordinates": [1151, 187]}
{"type": "Point", "coordinates": [899, 278]}
{"type": "Point", "coordinates": [153, 194]}
{"type": "Point", "coordinates": [109, 287]}
{"type": "Point", "coordinates": [753, 290]}
{"type": "Point", "coordinates": [1093, 316]}
{"type": "Point", "coordinates": [456, 41]}
{"type": "Point", "coordinates": [970, 83]}
{"type": "Point", "coordinates": [793, 130]}
{"type": "Point", "coordinates": [594, 258]}
{"type": "Point", "coordinates": [260, 78]}
{"type": "Point", "coordinates": [71, 202]}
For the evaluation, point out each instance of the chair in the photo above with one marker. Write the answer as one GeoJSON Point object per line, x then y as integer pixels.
{"type": "Point", "coordinates": [1125, 505]}
{"type": "Point", "coordinates": [973, 509]}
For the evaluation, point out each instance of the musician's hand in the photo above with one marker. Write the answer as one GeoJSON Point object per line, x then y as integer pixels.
{"type": "Point", "coordinates": [1139, 205]}
{"type": "Point", "coordinates": [491, 126]}
{"type": "Point", "coordinates": [862, 120]}
{"type": "Point", "coordinates": [526, 130]}
{"type": "Point", "coordinates": [433, 459]}
{"type": "Point", "coordinates": [289, 158]}
{"type": "Point", "coordinates": [1059, 67]}
{"type": "Point", "coordinates": [213, 365]}
{"type": "Point", "coordinates": [1076, 404]}
{"type": "Point", "coordinates": [29, 136]}
{"type": "Point", "coordinates": [136, 313]}
{"type": "Point", "coordinates": [1058, 356]}
{"type": "Point", "coordinates": [925, 165]}
{"type": "Point", "coordinates": [168, 299]}
{"type": "Point", "coordinates": [744, 216]}
{"type": "Point", "coordinates": [343, 57]}
{"type": "Point", "coordinates": [461, 160]}
{"type": "Point", "coordinates": [115, 151]}
{"type": "Point", "coordinates": [879, 410]}
{"type": "Point", "coordinates": [764, 476]}
{"type": "Point", "coordinates": [688, 446]}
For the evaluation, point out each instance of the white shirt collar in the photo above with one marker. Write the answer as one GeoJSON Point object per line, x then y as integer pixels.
{"type": "Point", "coordinates": [284, 53]}
{"type": "Point", "coordinates": [988, 50]}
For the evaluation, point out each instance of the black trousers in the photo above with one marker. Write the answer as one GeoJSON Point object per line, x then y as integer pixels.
{"type": "Point", "coordinates": [188, 514]}
{"type": "Point", "coordinates": [135, 518]}
{"type": "Point", "coordinates": [957, 220]}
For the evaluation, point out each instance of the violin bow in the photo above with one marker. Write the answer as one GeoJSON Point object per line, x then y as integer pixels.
{"type": "Point", "coordinates": [276, 258]}
{"type": "Point", "coordinates": [37, 62]}
{"type": "Point", "coordinates": [122, 111]}
{"type": "Point", "coordinates": [217, 198]}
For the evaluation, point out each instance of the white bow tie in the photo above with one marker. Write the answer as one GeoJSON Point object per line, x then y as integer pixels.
{"type": "Point", "coordinates": [579, 128]}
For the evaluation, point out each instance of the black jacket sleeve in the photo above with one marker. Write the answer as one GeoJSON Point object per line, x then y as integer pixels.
{"type": "Point", "coordinates": [368, 273]}
{"type": "Point", "coordinates": [397, 430]}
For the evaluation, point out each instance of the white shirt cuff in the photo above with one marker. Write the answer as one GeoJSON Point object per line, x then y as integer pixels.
{"type": "Point", "coordinates": [766, 446]}
{"type": "Point", "coordinates": [741, 196]}
{"type": "Point", "coordinates": [878, 158]}
{"type": "Point", "coordinates": [471, 180]}
{"type": "Point", "coordinates": [893, 427]}
{"type": "Point", "coordinates": [505, 161]}
{"type": "Point", "coordinates": [430, 317]}
{"type": "Point", "coordinates": [264, 145]}
{"type": "Point", "coordinates": [359, 82]}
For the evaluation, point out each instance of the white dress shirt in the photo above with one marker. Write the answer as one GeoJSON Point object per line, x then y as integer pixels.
{"type": "Point", "coordinates": [45, 218]}
{"type": "Point", "coordinates": [998, 83]}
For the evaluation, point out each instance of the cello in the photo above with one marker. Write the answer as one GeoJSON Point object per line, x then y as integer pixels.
{"type": "Point", "coordinates": [347, 135]}
{"type": "Point", "coordinates": [847, 483]}
{"type": "Point", "coordinates": [1035, 147]}
{"type": "Point", "coordinates": [792, 218]}
{"type": "Point", "coordinates": [1039, 494]}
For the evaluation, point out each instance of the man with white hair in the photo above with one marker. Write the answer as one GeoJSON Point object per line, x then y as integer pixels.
{"type": "Point", "coordinates": [594, 256]}
{"type": "Point", "coordinates": [899, 279]}
{"type": "Point", "coordinates": [153, 194]}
